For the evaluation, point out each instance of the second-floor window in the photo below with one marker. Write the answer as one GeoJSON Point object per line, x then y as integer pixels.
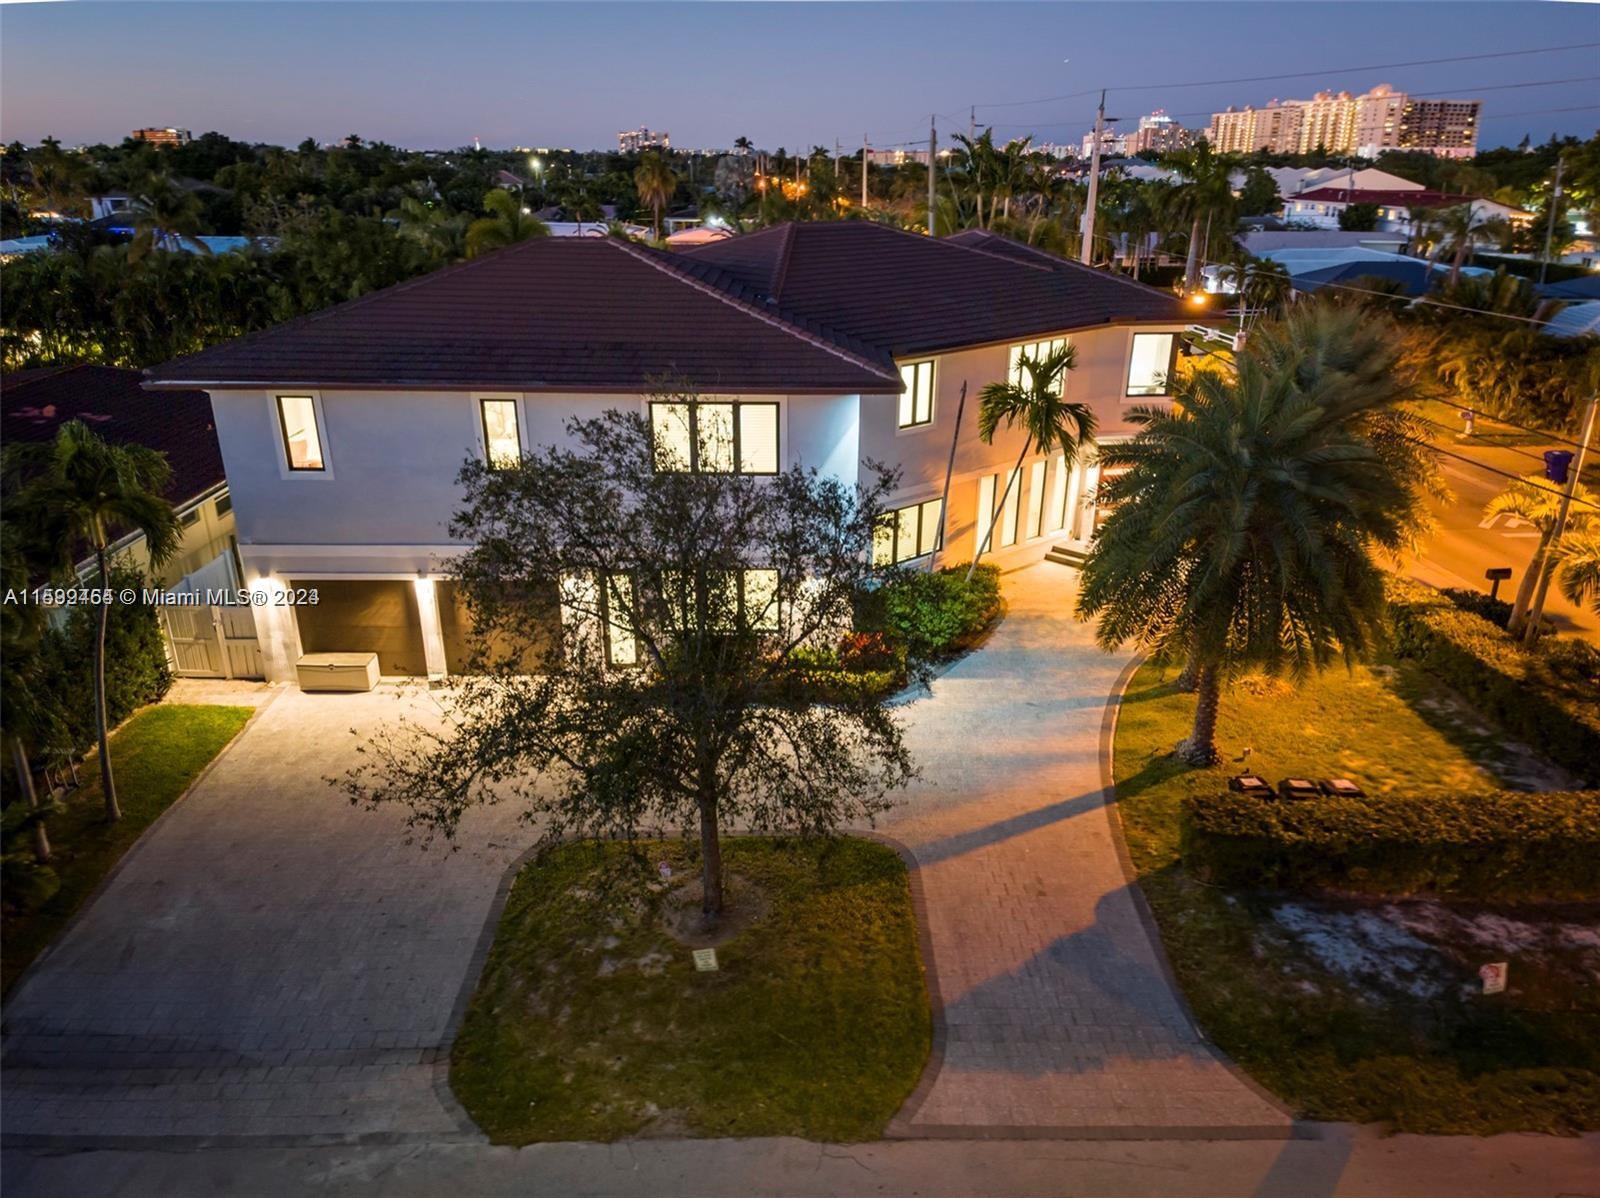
{"type": "Point", "coordinates": [715, 437]}
{"type": "Point", "coordinates": [916, 401]}
{"type": "Point", "coordinates": [502, 445]}
{"type": "Point", "coordinates": [906, 532]}
{"type": "Point", "coordinates": [302, 440]}
{"type": "Point", "coordinates": [1150, 364]}
{"type": "Point", "coordinates": [1036, 350]}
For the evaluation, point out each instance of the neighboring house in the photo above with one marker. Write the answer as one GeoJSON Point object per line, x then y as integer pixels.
{"type": "Point", "coordinates": [1575, 320]}
{"type": "Point", "coordinates": [1260, 241]}
{"type": "Point", "coordinates": [1321, 207]}
{"type": "Point", "coordinates": [1293, 180]}
{"type": "Point", "coordinates": [114, 403]}
{"type": "Point", "coordinates": [114, 203]}
{"type": "Point", "coordinates": [823, 345]}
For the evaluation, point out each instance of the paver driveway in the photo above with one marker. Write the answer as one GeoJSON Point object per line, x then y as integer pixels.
{"type": "Point", "coordinates": [273, 962]}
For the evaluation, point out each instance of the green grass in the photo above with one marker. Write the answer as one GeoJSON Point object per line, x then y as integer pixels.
{"type": "Point", "coordinates": [1330, 1049]}
{"type": "Point", "coordinates": [155, 756]}
{"type": "Point", "coordinates": [591, 1023]}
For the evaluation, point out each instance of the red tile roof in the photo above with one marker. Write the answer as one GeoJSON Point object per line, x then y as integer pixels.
{"type": "Point", "coordinates": [796, 308]}
{"type": "Point", "coordinates": [570, 314]}
{"type": "Point", "coordinates": [913, 294]}
{"type": "Point", "coordinates": [114, 403]}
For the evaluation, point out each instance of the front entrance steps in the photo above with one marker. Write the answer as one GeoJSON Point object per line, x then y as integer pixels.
{"type": "Point", "coordinates": [1066, 555]}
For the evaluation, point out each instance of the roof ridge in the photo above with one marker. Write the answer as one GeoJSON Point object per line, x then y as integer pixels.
{"type": "Point", "coordinates": [780, 269]}
{"type": "Point", "coordinates": [1055, 260]}
{"type": "Point", "coordinates": [667, 266]}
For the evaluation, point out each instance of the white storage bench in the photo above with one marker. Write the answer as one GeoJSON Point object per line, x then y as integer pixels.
{"type": "Point", "coordinates": [338, 671]}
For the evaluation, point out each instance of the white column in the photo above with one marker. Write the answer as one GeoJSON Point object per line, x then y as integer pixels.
{"type": "Point", "coordinates": [432, 630]}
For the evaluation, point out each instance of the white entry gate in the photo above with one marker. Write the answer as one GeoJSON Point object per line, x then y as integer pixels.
{"type": "Point", "coordinates": [212, 642]}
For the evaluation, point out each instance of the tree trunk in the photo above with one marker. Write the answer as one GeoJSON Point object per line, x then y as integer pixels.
{"type": "Point", "coordinates": [1189, 677]}
{"type": "Point", "coordinates": [1201, 746]}
{"type": "Point", "coordinates": [41, 838]}
{"type": "Point", "coordinates": [1524, 600]}
{"type": "Point", "coordinates": [1016, 476]}
{"type": "Point", "coordinates": [107, 783]}
{"type": "Point", "coordinates": [1191, 269]}
{"type": "Point", "coordinates": [710, 862]}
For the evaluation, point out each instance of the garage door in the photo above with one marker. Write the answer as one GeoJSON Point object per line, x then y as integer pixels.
{"type": "Point", "coordinates": [455, 623]}
{"type": "Point", "coordinates": [373, 617]}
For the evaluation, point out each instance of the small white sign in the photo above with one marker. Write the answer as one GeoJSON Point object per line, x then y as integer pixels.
{"type": "Point", "coordinates": [1494, 976]}
{"type": "Point", "coordinates": [705, 960]}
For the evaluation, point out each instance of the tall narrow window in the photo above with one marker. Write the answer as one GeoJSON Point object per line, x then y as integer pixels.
{"type": "Point", "coordinates": [761, 600]}
{"type": "Point", "coordinates": [621, 647]}
{"type": "Point", "coordinates": [671, 436]}
{"type": "Point", "coordinates": [302, 443]}
{"type": "Point", "coordinates": [1057, 517]}
{"type": "Point", "coordinates": [502, 446]}
{"type": "Point", "coordinates": [1036, 474]}
{"type": "Point", "coordinates": [1006, 534]}
{"type": "Point", "coordinates": [916, 401]}
{"type": "Point", "coordinates": [758, 438]}
{"type": "Point", "coordinates": [1150, 364]}
{"type": "Point", "coordinates": [986, 497]}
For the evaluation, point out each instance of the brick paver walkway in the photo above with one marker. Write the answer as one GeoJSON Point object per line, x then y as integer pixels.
{"type": "Point", "coordinates": [270, 962]}
{"type": "Point", "coordinates": [1059, 1018]}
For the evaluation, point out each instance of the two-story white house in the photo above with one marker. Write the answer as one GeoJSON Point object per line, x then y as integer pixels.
{"type": "Point", "coordinates": [821, 345]}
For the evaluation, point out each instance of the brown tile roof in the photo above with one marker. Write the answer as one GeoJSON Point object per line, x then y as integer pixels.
{"type": "Point", "coordinates": [595, 314]}
{"type": "Point", "coordinates": [1394, 199]}
{"type": "Point", "coordinates": [113, 402]}
{"type": "Point", "coordinates": [906, 293]}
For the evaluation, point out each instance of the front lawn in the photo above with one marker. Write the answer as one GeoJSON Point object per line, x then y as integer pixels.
{"type": "Point", "coordinates": [155, 756]}
{"type": "Point", "coordinates": [1362, 1009]}
{"type": "Point", "coordinates": [592, 1023]}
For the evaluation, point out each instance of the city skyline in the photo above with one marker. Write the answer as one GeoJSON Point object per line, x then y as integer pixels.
{"type": "Point", "coordinates": [431, 76]}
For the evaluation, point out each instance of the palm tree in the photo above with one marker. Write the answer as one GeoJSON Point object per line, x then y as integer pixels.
{"type": "Point", "coordinates": [1537, 502]}
{"type": "Point", "coordinates": [166, 217]}
{"type": "Point", "coordinates": [58, 177]}
{"type": "Point", "coordinates": [1459, 229]}
{"type": "Point", "coordinates": [508, 222]}
{"type": "Point", "coordinates": [1579, 562]}
{"type": "Point", "coordinates": [1248, 519]}
{"type": "Point", "coordinates": [1204, 197]}
{"type": "Point", "coordinates": [1035, 400]}
{"type": "Point", "coordinates": [656, 184]}
{"type": "Point", "coordinates": [28, 714]}
{"type": "Point", "coordinates": [81, 490]}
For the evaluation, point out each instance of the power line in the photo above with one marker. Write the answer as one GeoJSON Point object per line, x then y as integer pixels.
{"type": "Point", "coordinates": [1530, 429]}
{"type": "Point", "coordinates": [1211, 112]}
{"type": "Point", "coordinates": [1445, 428]}
{"type": "Point", "coordinates": [1520, 478]}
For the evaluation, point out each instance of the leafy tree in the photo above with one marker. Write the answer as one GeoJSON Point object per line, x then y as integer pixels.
{"type": "Point", "coordinates": [656, 184]}
{"type": "Point", "coordinates": [506, 224]}
{"type": "Point", "coordinates": [1247, 519]}
{"type": "Point", "coordinates": [675, 691]}
{"type": "Point", "coordinates": [1036, 402]}
{"type": "Point", "coordinates": [1358, 218]}
{"type": "Point", "coordinates": [1259, 195]}
{"type": "Point", "coordinates": [1459, 229]}
{"type": "Point", "coordinates": [1537, 501]}
{"type": "Point", "coordinates": [28, 715]}
{"type": "Point", "coordinates": [1579, 566]}
{"type": "Point", "coordinates": [80, 490]}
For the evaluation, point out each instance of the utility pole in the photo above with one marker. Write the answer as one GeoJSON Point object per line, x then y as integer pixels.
{"type": "Point", "coordinates": [1086, 250]}
{"type": "Point", "coordinates": [949, 472]}
{"type": "Point", "coordinates": [1547, 565]}
{"type": "Point", "coordinates": [933, 163]}
{"type": "Point", "coordinates": [1550, 225]}
{"type": "Point", "coordinates": [863, 171]}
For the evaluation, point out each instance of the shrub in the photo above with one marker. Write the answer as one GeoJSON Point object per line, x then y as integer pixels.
{"type": "Point", "coordinates": [1540, 697]}
{"type": "Point", "coordinates": [933, 615]}
{"type": "Point", "coordinates": [1496, 611]}
{"type": "Point", "coordinates": [825, 678]}
{"type": "Point", "coordinates": [1496, 845]}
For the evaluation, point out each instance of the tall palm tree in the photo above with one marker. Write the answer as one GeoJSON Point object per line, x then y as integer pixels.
{"type": "Point", "coordinates": [1579, 563]}
{"type": "Point", "coordinates": [27, 717]}
{"type": "Point", "coordinates": [1205, 197]}
{"type": "Point", "coordinates": [1459, 230]}
{"type": "Point", "coordinates": [506, 224]}
{"type": "Point", "coordinates": [80, 490]}
{"type": "Point", "coordinates": [166, 217]}
{"type": "Point", "coordinates": [1036, 402]}
{"type": "Point", "coordinates": [655, 183]}
{"type": "Point", "coordinates": [1537, 502]}
{"type": "Point", "coordinates": [1246, 526]}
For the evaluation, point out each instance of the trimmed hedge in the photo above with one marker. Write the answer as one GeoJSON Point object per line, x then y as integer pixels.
{"type": "Point", "coordinates": [1495, 845]}
{"type": "Point", "coordinates": [1532, 695]}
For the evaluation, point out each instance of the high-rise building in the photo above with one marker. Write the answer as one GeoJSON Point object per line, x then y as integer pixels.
{"type": "Point", "coordinates": [1112, 144]}
{"type": "Point", "coordinates": [1377, 120]}
{"type": "Point", "coordinates": [1158, 133]}
{"type": "Point", "coordinates": [643, 138]}
{"type": "Point", "coordinates": [162, 137]}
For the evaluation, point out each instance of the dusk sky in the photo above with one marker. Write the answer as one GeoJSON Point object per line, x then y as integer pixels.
{"type": "Point", "coordinates": [437, 75]}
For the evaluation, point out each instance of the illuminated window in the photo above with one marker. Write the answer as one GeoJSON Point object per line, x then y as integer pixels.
{"type": "Point", "coordinates": [1150, 364]}
{"type": "Point", "coordinates": [916, 401]}
{"type": "Point", "coordinates": [501, 444]}
{"type": "Point", "coordinates": [302, 443]}
{"type": "Point", "coordinates": [907, 532]}
{"type": "Point", "coordinates": [715, 438]}
{"type": "Point", "coordinates": [1005, 532]}
{"type": "Point", "coordinates": [1037, 350]}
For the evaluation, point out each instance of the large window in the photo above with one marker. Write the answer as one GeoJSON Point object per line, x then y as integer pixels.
{"type": "Point", "coordinates": [1150, 364]}
{"type": "Point", "coordinates": [302, 441]}
{"type": "Point", "coordinates": [907, 532]}
{"type": "Point", "coordinates": [1004, 522]}
{"type": "Point", "coordinates": [726, 599]}
{"type": "Point", "coordinates": [916, 401]}
{"type": "Point", "coordinates": [1035, 350]}
{"type": "Point", "coordinates": [502, 446]}
{"type": "Point", "coordinates": [715, 438]}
